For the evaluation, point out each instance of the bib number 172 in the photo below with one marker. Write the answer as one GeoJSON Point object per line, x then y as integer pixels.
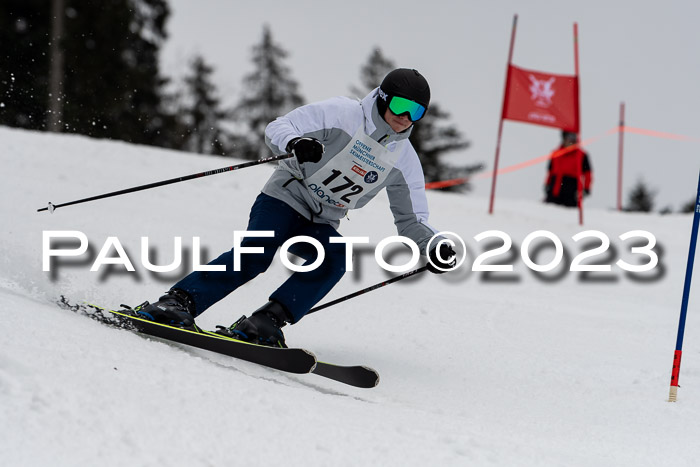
{"type": "Point", "coordinates": [348, 185]}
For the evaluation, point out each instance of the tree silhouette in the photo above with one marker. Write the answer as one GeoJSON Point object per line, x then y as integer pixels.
{"type": "Point", "coordinates": [202, 111]}
{"type": "Point", "coordinates": [641, 198]}
{"type": "Point", "coordinates": [110, 86]}
{"type": "Point", "coordinates": [689, 206]}
{"type": "Point", "coordinates": [372, 72]}
{"type": "Point", "coordinates": [268, 92]}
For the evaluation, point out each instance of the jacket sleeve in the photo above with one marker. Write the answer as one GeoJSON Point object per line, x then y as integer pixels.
{"type": "Point", "coordinates": [315, 120]}
{"type": "Point", "coordinates": [299, 122]}
{"type": "Point", "coordinates": [318, 120]}
{"type": "Point", "coordinates": [408, 202]}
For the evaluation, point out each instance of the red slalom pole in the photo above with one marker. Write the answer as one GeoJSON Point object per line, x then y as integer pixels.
{"type": "Point", "coordinates": [579, 156]}
{"type": "Point", "coordinates": [500, 123]}
{"type": "Point", "coordinates": [620, 141]}
{"type": "Point", "coordinates": [673, 393]}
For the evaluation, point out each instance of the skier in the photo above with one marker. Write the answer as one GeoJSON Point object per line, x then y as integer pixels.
{"type": "Point", "coordinates": [561, 184]}
{"type": "Point", "coordinates": [345, 151]}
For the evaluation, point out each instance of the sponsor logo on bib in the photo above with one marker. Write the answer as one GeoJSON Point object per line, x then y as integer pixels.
{"type": "Point", "coordinates": [359, 170]}
{"type": "Point", "coordinates": [371, 177]}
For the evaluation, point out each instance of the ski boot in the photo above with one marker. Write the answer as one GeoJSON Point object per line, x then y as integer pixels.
{"type": "Point", "coordinates": [263, 327]}
{"type": "Point", "coordinates": [175, 308]}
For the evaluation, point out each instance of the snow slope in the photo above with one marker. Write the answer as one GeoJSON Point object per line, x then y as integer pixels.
{"type": "Point", "coordinates": [502, 369]}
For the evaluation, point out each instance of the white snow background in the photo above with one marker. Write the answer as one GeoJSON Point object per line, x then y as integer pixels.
{"type": "Point", "coordinates": [506, 369]}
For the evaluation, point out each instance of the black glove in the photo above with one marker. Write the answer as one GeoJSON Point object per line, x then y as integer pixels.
{"type": "Point", "coordinates": [306, 149]}
{"type": "Point", "coordinates": [448, 261]}
{"type": "Point", "coordinates": [586, 192]}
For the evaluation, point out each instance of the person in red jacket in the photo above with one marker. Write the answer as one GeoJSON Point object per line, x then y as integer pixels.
{"type": "Point", "coordinates": [561, 186]}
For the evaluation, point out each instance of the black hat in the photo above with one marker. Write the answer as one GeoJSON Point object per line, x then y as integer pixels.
{"type": "Point", "coordinates": [403, 82]}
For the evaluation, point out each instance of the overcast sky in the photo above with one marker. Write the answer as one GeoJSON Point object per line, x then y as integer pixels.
{"type": "Point", "coordinates": [646, 53]}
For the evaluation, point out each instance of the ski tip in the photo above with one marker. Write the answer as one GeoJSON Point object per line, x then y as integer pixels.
{"type": "Point", "coordinates": [372, 370]}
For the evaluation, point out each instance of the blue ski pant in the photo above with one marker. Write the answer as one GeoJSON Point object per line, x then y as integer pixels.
{"type": "Point", "coordinates": [302, 290]}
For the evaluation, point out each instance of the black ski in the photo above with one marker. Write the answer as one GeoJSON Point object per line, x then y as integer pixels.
{"type": "Point", "coordinates": [290, 360]}
{"type": "Point", "coordinates": [358, 376]}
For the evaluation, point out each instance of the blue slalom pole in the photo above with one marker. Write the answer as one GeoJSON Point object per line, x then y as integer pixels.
{"type": "Point", "coordinates": [673, 394]}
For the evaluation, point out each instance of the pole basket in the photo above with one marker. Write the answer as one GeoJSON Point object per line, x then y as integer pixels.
{"type": "Point", "coordinates": [673, 394]}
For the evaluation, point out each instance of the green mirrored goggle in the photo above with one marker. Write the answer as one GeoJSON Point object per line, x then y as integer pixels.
{"type": "Point", "coordinates": [400, 105]}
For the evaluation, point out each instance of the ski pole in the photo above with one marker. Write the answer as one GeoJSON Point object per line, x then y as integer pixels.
{"type": "Point", "coordinates": [52, 207]}
{"type": "Point", "coordinates": [368, 289]}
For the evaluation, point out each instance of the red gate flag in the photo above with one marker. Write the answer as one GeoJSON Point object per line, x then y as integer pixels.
{"type": "Point", "coordinates": [542, 99]}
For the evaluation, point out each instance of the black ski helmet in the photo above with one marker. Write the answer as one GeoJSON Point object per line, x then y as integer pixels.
{"type": "Point", "coordinates": [403, 82]}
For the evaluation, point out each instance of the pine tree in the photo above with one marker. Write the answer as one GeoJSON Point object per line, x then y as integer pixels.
{"type": "Point", "coordinates": [432, 137]}
{"type": "Point", "coordinates": [55, 111]}
{"type": "Point", "coordinates": [269, 92]}
{"type": "Point", "coordinates": [202, 111]}
{"type": "Point", "coordinates": [641, 198]}
{"type": "Point", "coordinates": [24, 67]}
{"type": "Point", "coordinates": [114, 54]}
{"type": "Point", "coordinates": [373, 72]}
{"type": "Point", "coordinates": [689, 206]}
{"type": "Point", "coordinates": [111, 83]}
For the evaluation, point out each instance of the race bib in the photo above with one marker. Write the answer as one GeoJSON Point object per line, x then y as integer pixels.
{"type": "Point", "coordinates": [356, 169]}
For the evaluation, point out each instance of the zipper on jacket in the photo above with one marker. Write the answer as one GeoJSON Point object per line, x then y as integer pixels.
{"type": "Point", "coordinates": [381, 140]}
